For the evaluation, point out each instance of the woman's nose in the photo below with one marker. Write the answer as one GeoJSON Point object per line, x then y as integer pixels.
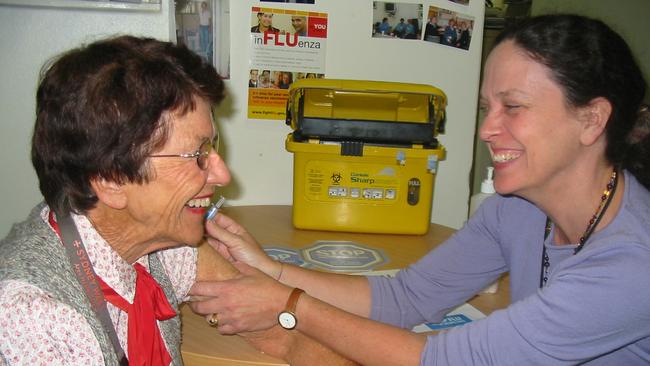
{"type": "Point", "coordinates": [489, 127]}
{"type": "Point", "coordinates": [218, 172]}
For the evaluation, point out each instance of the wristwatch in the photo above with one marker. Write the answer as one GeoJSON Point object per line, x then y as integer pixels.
{"type": "Point", "coordinates": [287, 318]}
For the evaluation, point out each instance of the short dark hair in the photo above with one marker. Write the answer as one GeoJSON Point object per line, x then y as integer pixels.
{"type": "Point", "coordinates": [103, 108]}
{"type": "Point", "coordinates": [588, 59]}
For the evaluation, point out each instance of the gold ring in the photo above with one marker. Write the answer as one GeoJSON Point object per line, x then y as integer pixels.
{"type": "Point", "coordinates": [213, 321]}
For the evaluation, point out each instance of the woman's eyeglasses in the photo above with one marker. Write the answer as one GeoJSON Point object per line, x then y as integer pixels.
{"type": "Point", "coordinates": [202, 155]}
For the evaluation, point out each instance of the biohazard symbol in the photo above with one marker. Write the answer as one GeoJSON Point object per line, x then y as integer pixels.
{"type": "Point", "coordinates": [336, 178]}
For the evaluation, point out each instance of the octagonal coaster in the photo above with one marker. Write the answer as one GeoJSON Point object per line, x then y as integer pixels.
{"type": "Point", "coordinates": [343, 256]}
{"type": "Point", "coordinates": [285, 255]}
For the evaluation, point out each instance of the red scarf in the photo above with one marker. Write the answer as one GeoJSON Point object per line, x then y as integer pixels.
{"type": "Point", "coordinates": [146, 345]}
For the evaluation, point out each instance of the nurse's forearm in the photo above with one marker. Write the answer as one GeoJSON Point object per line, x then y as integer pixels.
{"type": "Point", "coordinates": [348, 292]}
{"type": "Point", "coordinates": [364, 341]}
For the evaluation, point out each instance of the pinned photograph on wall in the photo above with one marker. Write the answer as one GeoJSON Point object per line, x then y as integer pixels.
{"type": "Point", "coordinates": [286, 45]}
{"type": "Point", "coordinates": [204, 27]}
{"type": "Point", "coordinates": [396, 20]}
{"type": "Point", "coordinates": [448, 28]}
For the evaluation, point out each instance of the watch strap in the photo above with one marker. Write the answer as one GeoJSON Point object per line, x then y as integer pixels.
{"type": "Point", "coordinates": [293, 300]}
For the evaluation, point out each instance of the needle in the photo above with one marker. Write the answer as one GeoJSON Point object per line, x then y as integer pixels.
{"type": "Point", "coordinates": [214, 208]}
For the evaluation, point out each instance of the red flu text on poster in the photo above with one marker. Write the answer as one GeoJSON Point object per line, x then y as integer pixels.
{"type": "Point", "coordinates": [277, 39]}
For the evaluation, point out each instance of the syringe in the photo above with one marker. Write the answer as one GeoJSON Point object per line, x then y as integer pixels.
{"type": "Point", "coordinates": [214, 208]}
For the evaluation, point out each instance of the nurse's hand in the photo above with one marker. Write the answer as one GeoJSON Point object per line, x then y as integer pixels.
{"type": "Point", "coordinates": [234, 243]}
{"type": "Point", "coordinates": [250, 302]}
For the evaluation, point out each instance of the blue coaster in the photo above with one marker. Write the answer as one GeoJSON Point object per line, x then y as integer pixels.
{"type": "Point", "coordinates": [285, 255]}
{"type": "Point", "coordinates": [344, 256]}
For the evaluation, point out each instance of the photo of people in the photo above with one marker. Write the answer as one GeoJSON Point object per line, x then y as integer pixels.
{"type": "Point", "coordinates": [448, 28]}
{"type": "Point", "coordinates": [299, 24]}
{"type": "Point", "coordinates": [253, 78]}
{"type": "Point", "coordinates": [264, 23]}
{"type": "Point", "coordinates": [265, 79]}
{"type": "Point", "coordinates": [204, 27]}
{"type": "Point", "coordinates": [280, 23]}
{"type": "Point", "coordinates": [276, 79]}
{"type": "Point", "coordinates": [397, 20]}
{"type": "Point", "coordinates": [309, 75]}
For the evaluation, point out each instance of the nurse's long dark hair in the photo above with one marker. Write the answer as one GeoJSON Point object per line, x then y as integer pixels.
{"type": "Point", "coordinates": [589, 60]}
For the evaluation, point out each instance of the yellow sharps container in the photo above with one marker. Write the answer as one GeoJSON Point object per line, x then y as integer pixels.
{"type": "Point", "coordinates": [365, 154]}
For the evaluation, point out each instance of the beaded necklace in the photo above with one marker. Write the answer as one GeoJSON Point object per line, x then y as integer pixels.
{"type": "Point", "coordinates": [605, 199]}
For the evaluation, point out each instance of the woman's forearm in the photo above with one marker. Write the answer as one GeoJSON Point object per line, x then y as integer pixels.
{"type": "Point", "coordinates": [348, 292]}
{"type": "Point", "coordinates": [364, 341]}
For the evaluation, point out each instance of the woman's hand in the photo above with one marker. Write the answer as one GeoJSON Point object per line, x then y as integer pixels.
{"type": "Point", "coordinates": [234, 243]}
{"type": "Point", "coordinates": [248, 303]}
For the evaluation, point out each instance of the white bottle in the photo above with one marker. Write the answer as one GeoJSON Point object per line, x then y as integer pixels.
{"type": "Point", "coordinates": [487, 189]}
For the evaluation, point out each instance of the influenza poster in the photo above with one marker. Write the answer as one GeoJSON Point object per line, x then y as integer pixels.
{"type": "Point", "coordinates": [286, 45]}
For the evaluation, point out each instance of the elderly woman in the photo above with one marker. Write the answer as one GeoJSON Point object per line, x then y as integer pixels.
{"type": "Point", "coordinates": [568, 135]}
{"type": "Point", "coordinates": [126, 151]}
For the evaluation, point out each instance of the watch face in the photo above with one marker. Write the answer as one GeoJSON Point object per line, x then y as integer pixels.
{"type": "Point", "coordinates": [287, 320]}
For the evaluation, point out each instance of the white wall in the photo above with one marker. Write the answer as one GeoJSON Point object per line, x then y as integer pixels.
{"type": "Point", "coordinates": [254, 149]}
{"type": "Point", "coordinates": [28, 37]}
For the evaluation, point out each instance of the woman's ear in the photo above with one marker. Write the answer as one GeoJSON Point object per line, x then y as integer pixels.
{"type": "Point", "coordinates": [594, 117]}
{"type": "Point", "coordinates": [110, 193]}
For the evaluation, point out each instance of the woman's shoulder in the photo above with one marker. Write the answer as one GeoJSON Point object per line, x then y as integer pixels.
{"type": "Point", "coordinates": [637, 196]}
{"type": "Point", "coordinates": [631, 222]}
{"type": "Point", "coordinates": [507, 218]}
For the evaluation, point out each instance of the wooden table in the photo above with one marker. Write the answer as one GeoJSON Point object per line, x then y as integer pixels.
{"type": "Point", "coordinates": [271, 225]}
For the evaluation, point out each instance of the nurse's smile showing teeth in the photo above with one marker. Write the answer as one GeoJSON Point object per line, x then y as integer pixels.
{"type": "Point", "coordinates": [501, 158]}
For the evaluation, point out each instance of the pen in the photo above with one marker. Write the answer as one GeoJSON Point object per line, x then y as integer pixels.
{"type": "Point", "coordinates": [214, 208]}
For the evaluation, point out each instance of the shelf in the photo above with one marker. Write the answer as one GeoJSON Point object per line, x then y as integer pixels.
{"type": "Point", "coordinates": [145, 5]}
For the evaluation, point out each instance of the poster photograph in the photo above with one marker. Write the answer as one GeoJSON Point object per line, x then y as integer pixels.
{"type": "Point", "coordinates": [204, 27]}
{"type": "Point", "coordinates": [286, 45]}
{"type": "Point", "coordinates": [448, 28]}
{"type": "Point", "coordinates": [396, 20]}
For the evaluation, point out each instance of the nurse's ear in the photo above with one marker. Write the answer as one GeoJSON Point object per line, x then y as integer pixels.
{"type": "Point", "coordinates": [594, 117]}
{"type": "Point", "coordinates": [110, 193]}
